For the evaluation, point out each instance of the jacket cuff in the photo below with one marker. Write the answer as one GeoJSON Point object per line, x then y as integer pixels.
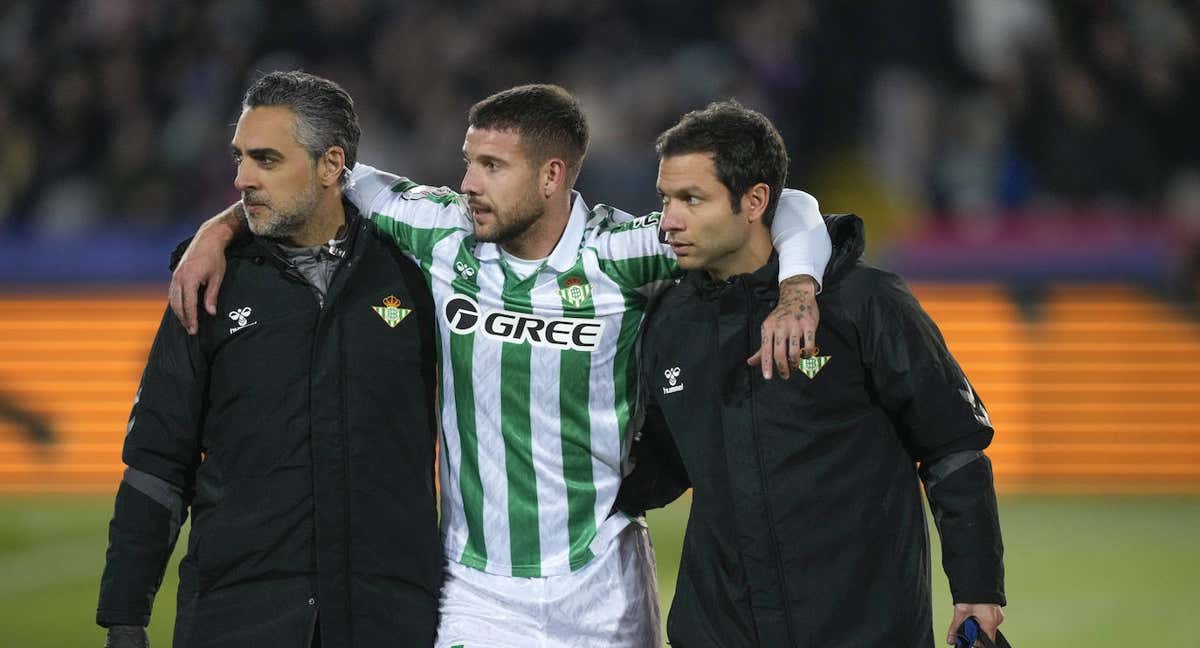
{"type": "Point", "coordinates": [980, 596]}
{"type": "Point", "coordinates": [106, 618]}
{"type": "Point", "coordinates": [963, 503]}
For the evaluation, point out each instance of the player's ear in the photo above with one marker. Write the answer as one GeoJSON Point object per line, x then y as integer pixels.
{"type": "Point", "coordinates": [331, 165]}
{"type": "Point", "coordinates": [554, 176]}
{"type": "Point", "coordinates": [755, 202]}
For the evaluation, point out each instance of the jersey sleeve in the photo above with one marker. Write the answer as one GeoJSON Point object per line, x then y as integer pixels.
{"type": "Point", "coordinates": [413, 216]}
{"type": "Point", "coordinates": [799, 234]}
{"type": "Point", "coordinates": [632, 250]}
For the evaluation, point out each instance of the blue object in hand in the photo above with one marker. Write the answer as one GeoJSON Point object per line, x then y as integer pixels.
{"type": "Point", "coordinates": [967, 634]}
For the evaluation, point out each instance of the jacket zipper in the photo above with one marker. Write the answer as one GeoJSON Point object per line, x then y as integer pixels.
{"type": "Point", "coordinates": [347, 262]}
{"type": "Point", "coordinates": [762, 472]}
{"type": "Point", "coordinates": [294, 273]}
{"type": "Point", "coordinates": [312, 630]}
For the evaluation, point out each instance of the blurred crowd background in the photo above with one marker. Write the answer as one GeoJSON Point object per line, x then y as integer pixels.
{"type": "Point", "coordinates": [118, 113]}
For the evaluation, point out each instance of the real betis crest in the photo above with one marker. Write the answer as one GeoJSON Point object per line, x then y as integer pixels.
{"type": "Point", "coordinates": [575, 292]}
{"type": "Point", "coordinates": [811, 365]}
{"type": "Point", "coordinates": [391, 311]}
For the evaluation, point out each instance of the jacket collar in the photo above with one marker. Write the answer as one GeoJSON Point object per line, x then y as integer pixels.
{"type": "Point", "coordinates": [762, 282]}
{"type": "Point", "coordinates": [566, 252]}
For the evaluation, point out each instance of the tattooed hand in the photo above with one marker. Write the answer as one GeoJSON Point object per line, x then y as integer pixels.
{"type": "Point", "coordinates": [789, 334]}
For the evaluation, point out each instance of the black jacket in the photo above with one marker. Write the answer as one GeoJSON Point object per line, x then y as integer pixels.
{"type": "Point", "coordinates": [807, 527]}
{"type": "Point", "coordinates": [302, 438]}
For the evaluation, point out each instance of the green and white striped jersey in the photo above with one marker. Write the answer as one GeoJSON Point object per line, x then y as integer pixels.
{"type": "Point", "coordinates": [538, 375]}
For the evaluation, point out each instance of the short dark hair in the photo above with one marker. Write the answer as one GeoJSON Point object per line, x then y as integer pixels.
{"type": "Point", "coordinates": [546, 117]}
{"type": "Point", "coordinates": [746, 148]}
{"type": "Point", "coordinates": [324, 112]}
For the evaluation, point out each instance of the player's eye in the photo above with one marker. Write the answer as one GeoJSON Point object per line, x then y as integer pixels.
{"type": "Point", "coordinates": [693, 200]}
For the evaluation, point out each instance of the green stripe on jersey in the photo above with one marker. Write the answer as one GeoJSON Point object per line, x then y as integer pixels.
{"type": "Point", "coordinates": [517, 431]}
{"type": "Point", "coordinates": [638, 271]}
{"type": "Point", "coordinates": [575, 422]}
{"type": "Point", "coordinates": [625, 362]}
{"type": "Point", "coordinates": [415, 240]}
{"type": "Point", "coordinates": [462, 350]}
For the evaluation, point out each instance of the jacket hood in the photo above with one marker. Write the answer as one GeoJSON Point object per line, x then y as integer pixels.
{"type": "Point", "coordinates": [848, 236]}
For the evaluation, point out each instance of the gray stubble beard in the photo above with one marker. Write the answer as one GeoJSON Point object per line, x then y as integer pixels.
{"type": "Point", "coordinates": [287, 224]}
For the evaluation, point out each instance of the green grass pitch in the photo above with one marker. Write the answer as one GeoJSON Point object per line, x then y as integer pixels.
{"type": "Point", "coordinates": [1093, 571]}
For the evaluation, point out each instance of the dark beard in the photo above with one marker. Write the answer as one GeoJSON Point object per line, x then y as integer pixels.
{"type": "Point", "coordinates": [525, 214]}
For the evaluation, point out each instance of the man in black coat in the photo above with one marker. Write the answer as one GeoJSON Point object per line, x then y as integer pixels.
{"type": "Point", "coordinates": [807, 526]}
{"type": "Point", "coordinates": [297, 427]}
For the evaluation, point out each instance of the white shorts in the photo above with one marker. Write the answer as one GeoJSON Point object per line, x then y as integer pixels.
{"type": "Point", "coordinates": [611, 603]}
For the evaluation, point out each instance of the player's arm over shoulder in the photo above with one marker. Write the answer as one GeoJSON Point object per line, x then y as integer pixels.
{"type": "Point", "coordinates": [405, 210]}
{"type": "Point", "coordinates": [799, 234]}
{"type": "Point", "coordinates": [378, 192]}
{"type": "Point", "coordinates": [639, 257]}
{"type": "Point", "coordinates": [629, 248]}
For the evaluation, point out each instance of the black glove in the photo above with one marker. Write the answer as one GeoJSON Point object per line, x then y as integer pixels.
{"type": "Point", "coordinates": [123, 636]}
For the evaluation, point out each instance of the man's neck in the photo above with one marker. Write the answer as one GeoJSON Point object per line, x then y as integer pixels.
{"type": "Point", "coordinates": [328, 217]}
{"type": "Point", "coordinates": [540, 239]}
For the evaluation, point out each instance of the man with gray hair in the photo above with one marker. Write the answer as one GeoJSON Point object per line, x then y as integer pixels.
{"type": "Point", "coordinates": [296, 427]}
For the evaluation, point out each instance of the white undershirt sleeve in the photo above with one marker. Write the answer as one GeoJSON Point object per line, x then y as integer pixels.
{"type": "Point", "coordinates": [799, 235]}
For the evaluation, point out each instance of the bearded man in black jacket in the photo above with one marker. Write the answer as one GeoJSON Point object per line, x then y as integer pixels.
{"type": "Point", "coordinates": [806, 527]}
{"type": "Point", "coordinates": [296, 427]}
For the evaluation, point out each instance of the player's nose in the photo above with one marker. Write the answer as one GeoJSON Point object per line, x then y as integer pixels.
{"type": "Point", "coordinates": [245, 178]}
{"type": "Point", "coordinates": [672, 218]}
{"type": "Point", "coordinates": [470, 183]}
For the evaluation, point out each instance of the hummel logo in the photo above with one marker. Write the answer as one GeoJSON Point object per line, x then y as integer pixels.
{"type": "Point", "coordinates": [240, 316]}
{"type": "Point", "coordinates": [465, 271]}
{"type": "Point", "coordinates": [672, 376]}
{"type": "Point", "coordinates": [981, 413]}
